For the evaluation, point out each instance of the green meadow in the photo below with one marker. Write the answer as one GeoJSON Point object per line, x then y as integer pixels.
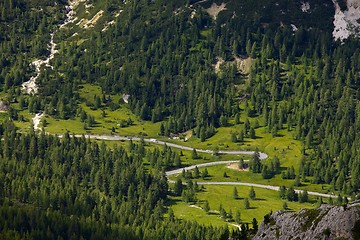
{"type": "Point", "coordinates": [265, 202]}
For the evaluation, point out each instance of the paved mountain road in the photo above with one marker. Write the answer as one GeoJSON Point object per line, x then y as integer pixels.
{"type": "Point", "coordinates": [262, 156]}
{"type": "Point", "coordinates": [177, 171]}
{"type": "Point", "coordinates": [276, 188]}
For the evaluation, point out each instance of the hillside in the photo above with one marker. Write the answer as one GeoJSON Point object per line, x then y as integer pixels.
{"type": "Point", "coordinates": [276, 82]}
{"type": "Point", "coordinates": [162, 55]}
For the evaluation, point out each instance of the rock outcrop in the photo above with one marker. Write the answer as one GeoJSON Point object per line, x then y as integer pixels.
{"type": "Point", "coordinates": [3, 106]}
{"type": "Point", "coordinates": [346, 21]}
{"type": "Point", "coordinates": [325, 222]}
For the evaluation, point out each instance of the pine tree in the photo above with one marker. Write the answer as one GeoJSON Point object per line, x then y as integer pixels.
{"type": "Point", "coordinates": [237, 118]}
{"type": "Point", "coordinates": [206, 206]}
{"type": "Point", "coordinates": [235, 193]}
{"type": "Point", "coordinates": [255, 224]}
{"type": "Point", "coordinates": [194, 154]}
{"type": "Point", "coordinates": [234, 138]}
{"type": "Point", "coordinates": [297, 181]}
{"type": "Point", "coordinates": [238, 217]}
{"type": "Point", "coordinates": [246, 203]}
{"type": "Point", "coordinates": [319, 201]}
{"type": "Point", "coordinates": [241, 164]}
{"type": "Point", "coordinates": [339, 200]}
{"type": "Point", "coordinates": [252, 194]}
{"type": "Point", "coordinates": [303, 197]}
{"type": "Point", "coordinates": [204, 174]}
{"type": "Point", "coordinates": [282, 192]}
{"type": "Point", "coordinates": [162, 130]}
{"type": "Point", "coordinates": [196, 172]}
{"type": "Point", "coordinates": [229, 215]}
{"type": "Point", "coordinates": [222, 212]}
{"type": "Point", "coordinates": [285, 206]}
{"type": "Point", "coordinates": [276, 163]}
{"type": "Point", "coordinates": [274, 131]}
{"type": "Point", "coordinates": [177, 161]}
{"type": "Point", "coordinates": [252, 133]}
{"type": "Point", "coordinates": [241, 136]}
{"type": "Point", "coordinates": [291, 195]}
{"type": "Point", "coordinates": [171, 215]}
{"type": "Point", "coordinates": [216, 151]}
{"type": "Point", "coordinates": [255, 163]}
{"type": "Point", "coordinates": [246, 126]}
{"type": "Point", "coordinates": [178, 187]}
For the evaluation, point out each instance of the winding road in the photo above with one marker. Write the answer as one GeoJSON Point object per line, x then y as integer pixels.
{"type": "Point", "coordinates": [276, 188]}
{"type": "Point", "coordinates": [177, 171]}
{"type": "Point", "coordinates": [31, 88]}
{"type": "Point", "coordinates": [262, 156]}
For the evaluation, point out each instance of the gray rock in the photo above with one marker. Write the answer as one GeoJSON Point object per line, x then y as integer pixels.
{"type": "Point", "coordinates": [325, 222]}
{"type": "Point", "coordinates": [3, 106]}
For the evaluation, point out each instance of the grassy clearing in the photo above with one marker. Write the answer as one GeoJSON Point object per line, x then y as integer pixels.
{"type": "Point", "coordinates": [25, 124]}
{"type": "Point", "coordinates": [217, 175]}
{"type": "Point", "coordinates": [266, 201]}
{"type": "Point", "coordinates": [205, 33]}
{"type": "Point", "coordinates": [104, 122]}
{"type": "Point", "coordinates": [284, 147]}
{"type": "Point", "coordinates": [191, 213]}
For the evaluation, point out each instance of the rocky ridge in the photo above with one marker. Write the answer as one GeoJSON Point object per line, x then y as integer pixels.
{"type": "Point", "coordinates": [346, 22]}
{"type": "Point", "coordinates": [325, 222]}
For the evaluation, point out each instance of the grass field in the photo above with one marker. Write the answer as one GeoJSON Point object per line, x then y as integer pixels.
{"type": "Point", "coordinates": [266, 201]}
{"type": "Point", "coordinates": [24, 125]}
{"type": "Point", "coordinates": [284, 147]}
{"type": "Point", "coordinates": [104, 123]}
{"type": "Point", "coordinates": [217, 175]}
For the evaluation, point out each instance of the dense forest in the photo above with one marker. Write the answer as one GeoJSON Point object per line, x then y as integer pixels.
{"type": "Point", "coordinates": [163, 56]}
{"type": "Point", "coordinates": [302, 81]}
{"type": "Point", "coordinates": [71, 188]}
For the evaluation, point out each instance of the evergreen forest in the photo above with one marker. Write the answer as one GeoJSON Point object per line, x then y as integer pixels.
{"type": "Point", "coordinates": [182, 70]}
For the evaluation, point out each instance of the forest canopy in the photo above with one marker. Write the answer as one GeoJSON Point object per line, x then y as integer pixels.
{"type": "Point", "coordinates": [178, 66]}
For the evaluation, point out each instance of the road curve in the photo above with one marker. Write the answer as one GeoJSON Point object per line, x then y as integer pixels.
{"type": "Point", "coordinates": [262, 156]}
{"type": "Point", "coordinates": [276, 188]}
{"type": "Point", "coordinates": [179, 170]}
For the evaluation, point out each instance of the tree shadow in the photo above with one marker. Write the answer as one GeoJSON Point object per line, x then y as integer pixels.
{"type": "Point", "coordinates": [258, 137]}
{"type": "Point", "coordinates": [212, 213]}
{"type": "Point", "coordinates": [171, 201]}
{"type": "Point", "coordinates": [239, 198]}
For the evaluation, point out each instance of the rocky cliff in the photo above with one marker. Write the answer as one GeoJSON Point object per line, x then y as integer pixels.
{"type": "Point", "coordinates": [325, 222]}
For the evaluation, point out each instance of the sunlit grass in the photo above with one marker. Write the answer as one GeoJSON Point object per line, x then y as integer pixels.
{"type": "Point", "coordinates": [217, 175]}
{"type": "Point", "coordinates": [266, 201]}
